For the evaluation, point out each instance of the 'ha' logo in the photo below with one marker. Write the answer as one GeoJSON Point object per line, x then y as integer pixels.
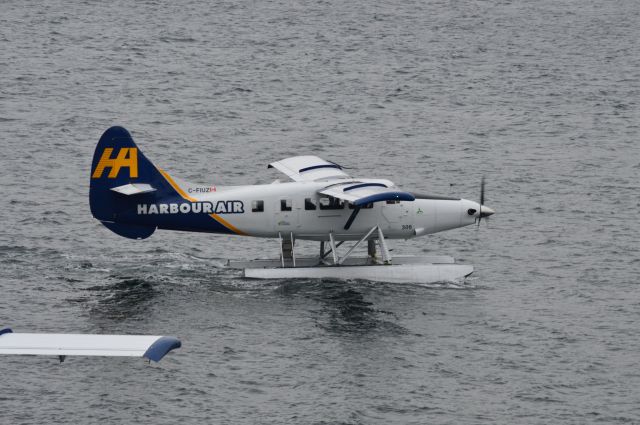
{"type": "Point", "coordinates": [127, 158]}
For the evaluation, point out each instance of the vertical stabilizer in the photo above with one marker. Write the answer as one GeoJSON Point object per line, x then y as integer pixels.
{"type": "Point", "coordinates": [120, 177]}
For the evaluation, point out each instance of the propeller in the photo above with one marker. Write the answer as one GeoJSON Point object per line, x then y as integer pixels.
{"type": "Point", "coordinates": [484, 211]}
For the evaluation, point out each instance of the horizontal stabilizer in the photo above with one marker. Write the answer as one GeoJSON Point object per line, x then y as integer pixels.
{"type": "Point", "coordinates": [147, 346]}
{"type": "Point", "coordinates": [134, 189]}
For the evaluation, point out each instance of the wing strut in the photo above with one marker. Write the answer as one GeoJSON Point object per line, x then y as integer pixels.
{"type": "Point", "coordinates": [352, 217]}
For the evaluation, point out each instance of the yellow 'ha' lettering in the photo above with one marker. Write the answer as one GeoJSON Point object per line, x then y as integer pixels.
{"type": "Point", "coordinates": [127, 157]}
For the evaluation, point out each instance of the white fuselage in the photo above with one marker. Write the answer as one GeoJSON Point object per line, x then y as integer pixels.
{"type": "Point", "coordinates": [287, 208]}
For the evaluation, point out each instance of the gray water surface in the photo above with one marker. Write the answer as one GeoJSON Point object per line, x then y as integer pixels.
{"type": "Point", "coordinates": [541, 97]}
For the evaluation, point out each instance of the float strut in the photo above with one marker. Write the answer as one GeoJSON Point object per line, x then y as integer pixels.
{"type": "Point", "coordinates": [356, 245]}
{"type": "Point", "coordinates": [386, 257]}
{"type": "Point", "coordinates": [333, 248]}
{"type": "Point", "coordinates": [293, 252]}
{"type": "Point", "coordinates": [324, 254]}
{"type": "Point", "coordinates": [371, 249]}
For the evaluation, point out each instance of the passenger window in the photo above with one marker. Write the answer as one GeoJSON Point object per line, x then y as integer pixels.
{"type": "Point", "coordinates": [309, 204]}
{"type": "Point", "coordinates": [393, 202]}
{"type": "Point", "coordinates": [331, 203]}
{"type": "Point", "coordinates": [285, 205]}
{"type": "Point", "coordinates": [257, 206]}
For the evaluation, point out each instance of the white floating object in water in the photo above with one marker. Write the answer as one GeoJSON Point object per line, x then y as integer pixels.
{"type": "Point", "coordinates": [148, 346]}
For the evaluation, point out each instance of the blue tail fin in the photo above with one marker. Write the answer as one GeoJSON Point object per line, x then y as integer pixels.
{"type": "Point", "coordinates": [118, 172]}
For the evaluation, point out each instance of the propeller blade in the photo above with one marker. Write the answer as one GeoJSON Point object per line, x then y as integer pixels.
{"type": "Point", "coordinates": [484, 211]}
{"type": "Point", "coordinates": [482, 191]}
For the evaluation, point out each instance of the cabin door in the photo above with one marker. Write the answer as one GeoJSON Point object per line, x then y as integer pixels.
{"type": "Point", "coordinates": [286, 216]}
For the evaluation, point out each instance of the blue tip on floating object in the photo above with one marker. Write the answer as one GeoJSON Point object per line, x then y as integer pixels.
{"type": "Point", "coordinates": [161, 347]}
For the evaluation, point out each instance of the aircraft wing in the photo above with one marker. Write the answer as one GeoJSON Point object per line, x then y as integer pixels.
{"type": "Point", "coordinates": [147, 346]}
{"type": "Point", "coordinates": [309, 168]}
{"type": "Point", "coordinates": [359, 193]}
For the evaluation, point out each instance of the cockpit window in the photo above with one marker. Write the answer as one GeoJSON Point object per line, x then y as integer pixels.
{"type": "Point", "coordinates": [331, 203]}
{"type": "Point", "coordinates": [365, 206]}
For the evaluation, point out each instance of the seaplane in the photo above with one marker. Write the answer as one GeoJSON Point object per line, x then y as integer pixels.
{"type": "Point", "coordinates": [132, 197]}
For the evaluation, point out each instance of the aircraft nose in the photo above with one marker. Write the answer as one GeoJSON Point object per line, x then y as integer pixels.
{"type": "Point", "coordinates": [486, 211]}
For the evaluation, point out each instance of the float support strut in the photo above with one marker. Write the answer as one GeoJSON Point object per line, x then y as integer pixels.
{"type": "Point", "coordinates": [371, 249]}
{"type": "Point", "coordinates": [356, 245]}
{"type": "Point", "coordinates": [386, 257]}
{"type": "Point", "coordinates": [333, 248]}
{"type": "Point", "coordinates": [324, 254]}
{"type": "Point", "coordinates": [293, 251]}
{"type": "Point", "coordinates": [281, 250]}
